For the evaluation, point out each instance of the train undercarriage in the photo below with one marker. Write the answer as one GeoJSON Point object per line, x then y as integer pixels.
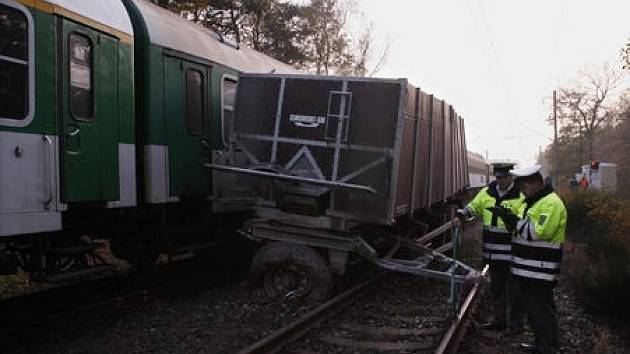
{"type": "Point", "coordinates": [94, 242]}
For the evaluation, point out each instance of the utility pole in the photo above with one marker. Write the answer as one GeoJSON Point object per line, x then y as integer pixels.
{"type": "Point", "coordinates": [555, 142]}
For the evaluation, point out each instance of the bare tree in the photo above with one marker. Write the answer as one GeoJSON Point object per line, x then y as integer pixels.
{"type": "Point", "coordinates": [625, 56]}
{"type": "Point", "coordinates": [365, 54]}
{"type": "Point", "coordinates": [364, 51]}
{"type": "Point", "coordinates": [382, 58]}
{"type": "Point", "coordinates": [586, 107]}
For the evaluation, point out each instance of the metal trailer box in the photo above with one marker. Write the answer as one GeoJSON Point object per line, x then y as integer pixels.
{"type": "Point", "coordinates": [370, 150]}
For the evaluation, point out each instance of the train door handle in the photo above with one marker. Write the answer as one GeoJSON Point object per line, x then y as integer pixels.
{"type": "Point", "coordinates": [74, 132]}
{"type": "Point", "coordinates": [73, 140]}
{"type": "Point", "coordinates": [48, 143]}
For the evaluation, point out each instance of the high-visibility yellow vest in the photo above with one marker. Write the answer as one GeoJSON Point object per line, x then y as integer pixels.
{"type": "Point", "coordinates": [539, 236]}
{"type": "Point", "coordinates": [496, 238]}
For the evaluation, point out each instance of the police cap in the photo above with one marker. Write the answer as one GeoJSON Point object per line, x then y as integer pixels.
{"type": "Point", "coordinates": [502, 168]}
{"type": "Point", "coordinates": [527, 173]}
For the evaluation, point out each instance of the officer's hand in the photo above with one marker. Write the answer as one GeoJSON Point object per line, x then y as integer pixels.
{"type": "Point", "coordinates": [459, 218]}
{"type": "Point", "coordinates": [508, 217]}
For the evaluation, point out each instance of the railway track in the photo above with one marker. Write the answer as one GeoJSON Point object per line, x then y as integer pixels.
{"type": "Point", "coordinates": [24, 315]}
{"type": "Point", "coordinates": [388, 313]}
{"type": "Point", "coordinates": [373, 317]}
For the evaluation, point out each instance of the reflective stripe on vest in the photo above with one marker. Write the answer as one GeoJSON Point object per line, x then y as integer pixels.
{"type": "Point", "coordinates": [498, 247]}
{"type": "Point", "coordinates": [526, 229]}
{"type": "Point", "coordinates": [537, 264]}
{"type": "Point", "coordinates": [496, 256]}
{"type": "Point", "coordinates": [539, 260]}
{"type": "Point", "coordinates": [541, 244]}
{"type": "Point", "coordinates": [535, 275]}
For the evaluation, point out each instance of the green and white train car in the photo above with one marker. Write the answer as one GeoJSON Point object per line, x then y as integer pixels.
{"type": "Point", "coordinates": [107, 110]}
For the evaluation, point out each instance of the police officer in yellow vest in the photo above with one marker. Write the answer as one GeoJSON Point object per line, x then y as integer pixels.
{"type": "Point", "coordinates": [497, 239]}
{"type": "Point", "coordinates": [539, 227]}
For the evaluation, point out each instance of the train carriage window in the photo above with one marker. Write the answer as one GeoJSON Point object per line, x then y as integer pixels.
{"type": "Point", "coordinates": [15, 70]}
{"type": "Point", "coordinates": [228, 97]}
{"type": "Point", "coordinates": [194, 101]}
{"type": "Point", "coordinates": [81, 81]}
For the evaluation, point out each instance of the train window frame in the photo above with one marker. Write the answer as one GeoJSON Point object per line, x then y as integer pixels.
{"type": "Point", "coordinates": [92, 115]}
{"type": "Point", "coordinates": [30, 62]}
{"type": "Point", "coordinates": [203, 110]}
{"type": "Point", "coordinates": [234, 79]}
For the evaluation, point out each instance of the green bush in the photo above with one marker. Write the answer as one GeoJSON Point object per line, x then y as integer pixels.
{"type": "Point", "coordinates": [597, 253]}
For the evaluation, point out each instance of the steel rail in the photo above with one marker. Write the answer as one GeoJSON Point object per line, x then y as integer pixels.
{"type": "Point", "coordinates": [274, 343]}
{"type": "Point", "coordinates": [452, 338]}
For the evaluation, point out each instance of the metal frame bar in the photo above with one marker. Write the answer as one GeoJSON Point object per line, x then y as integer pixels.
{"type": "Point", "coordinates": [317, 143]}
{"type": "Point", "coordinates": [351, 242]}
{"type": "Point", "coordinates": [431, 157]}
{"type": "Point", "coordinates": [416, 146]}
{"type": "Point", "coordinates": [304, 236]}
{"type": "Point", "coordinates": [247, 153]}
{"type": "Point", "coordinates": [304, 151]}
{"type": "Point", "coordinates": [434, 233]}
{"type": "Point", "coordinates": [444, 147]}
{"type": "Point", "coordinates": [290, 178]}
{"type": "Point", "coordinates": [466, 167]}
{"type": "Point", "coordinates": [391, 208]}
{"type": "Point", "coordinates": [341, 115]}
{"type": "Point", "coordinates": [276, 129]}
{"type": "Point", "coordinates": [362, 170]}
{"type": "Point", "coordinates": [335, 171]}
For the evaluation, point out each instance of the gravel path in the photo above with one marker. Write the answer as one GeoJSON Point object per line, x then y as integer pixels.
{"type": "Point", "coordinates": [223, 318]}
{"type": "Point", "coordinates": [223, 315]}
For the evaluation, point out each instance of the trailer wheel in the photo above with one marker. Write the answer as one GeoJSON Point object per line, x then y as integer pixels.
{"type": "Point", "coordinates": [291, 271]}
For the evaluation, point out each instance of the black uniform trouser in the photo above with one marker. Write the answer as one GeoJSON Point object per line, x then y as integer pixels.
{"type": "Point", "coordinates": [535, 299]}
{"type": "Point", "coordinates": [500, 290]}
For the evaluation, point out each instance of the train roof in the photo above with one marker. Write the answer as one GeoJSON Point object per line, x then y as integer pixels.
{"type": "Point", "coordinates": [111, 13]}
{"type": "Point", "coordinates": [171, 31]}
{"type": "Point", "coordinates": [475, 155]}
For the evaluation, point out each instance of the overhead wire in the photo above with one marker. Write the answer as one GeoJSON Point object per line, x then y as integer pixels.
{"type": "Point", "coordinates": [478, 31]}
{"type": "Point", "coordinates": [526, 129]}
{"type": "Point", "coordinates": [498, 67]}
{"type": "Point", "coordinates": [491, 54]}
{"type": "Point", "coordinates": [556, 40]}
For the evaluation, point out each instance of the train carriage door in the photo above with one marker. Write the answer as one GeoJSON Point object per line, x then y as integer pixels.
{"type": "Point", "coordinates": [186, 92]}
{"type": "Point", "coordinates": [89, 65]}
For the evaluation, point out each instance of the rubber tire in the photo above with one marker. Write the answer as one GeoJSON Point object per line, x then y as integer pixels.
{"type": "Point", "coordinates": [304, 257]}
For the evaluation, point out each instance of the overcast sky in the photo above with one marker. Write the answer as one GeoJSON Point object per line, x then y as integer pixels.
{"type": "Point", "coordinates": [496, 61]}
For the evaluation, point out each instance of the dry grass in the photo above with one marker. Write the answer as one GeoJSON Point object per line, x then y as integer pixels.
{"type": "Point", "coordinates": [598, 248]}
{"type": "Point", "coordinates": [605, 343]}
{"type": "Point", "coordinates": [11, 285]}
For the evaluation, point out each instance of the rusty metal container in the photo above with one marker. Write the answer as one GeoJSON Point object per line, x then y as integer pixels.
{"type": "Point", "coordinates": [362, 149]}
